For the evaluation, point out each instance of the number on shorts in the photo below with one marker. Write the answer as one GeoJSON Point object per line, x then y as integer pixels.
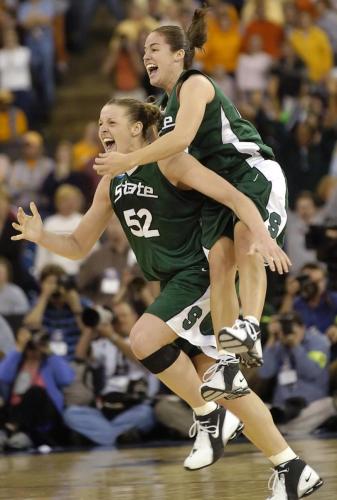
{"type": "Point", "coordinates": [135, 225]}
{"type": "Point", "coordinates": [274, 224]}
{"type": "Point", "coordinates": [193, 315]}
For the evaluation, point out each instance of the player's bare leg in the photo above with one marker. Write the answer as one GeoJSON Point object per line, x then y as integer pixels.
{"type": "Point", "coordinates": [293, 478]}
{"type": "Point", "coordinates": [243, 336]}
{"type": "Point", "coordinates": [151, 342]}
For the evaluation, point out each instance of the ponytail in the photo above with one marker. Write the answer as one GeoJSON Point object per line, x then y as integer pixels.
{"type": "Point", "coordinates": [195, 38]}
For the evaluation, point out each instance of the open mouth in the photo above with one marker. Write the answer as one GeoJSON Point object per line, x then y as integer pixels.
{"type": "Point", "coordinates": [109, 144]}
{"type": "Point", "coordinates": [152, 70]}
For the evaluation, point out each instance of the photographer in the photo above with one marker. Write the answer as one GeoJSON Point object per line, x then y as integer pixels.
{"type": "Point", "coordinates": [58, 309]}
{"type": "Point", "coordinates": [309, 296]}
{"type": "Point", "coordinates": [34, 379]}
{"type": "Point", "coordinates": [298, 358]}
{"type": "Point", "coordinates": [123, 409]}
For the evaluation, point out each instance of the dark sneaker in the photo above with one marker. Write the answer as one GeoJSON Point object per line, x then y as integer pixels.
{"type": "Point", "coordinates": [212, 431]}
{"type": "Point", "coordinates": [244, 336]}
{"type": "Point", "coordinates": [292, 480]}
{"type": "Point", "coordinates": [224, 380]}
{"type": "Point", "coordinates": [254, 357]}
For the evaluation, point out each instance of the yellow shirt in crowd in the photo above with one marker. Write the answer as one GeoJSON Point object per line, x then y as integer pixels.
{"type": "Point", "coordinates": [314, 48]}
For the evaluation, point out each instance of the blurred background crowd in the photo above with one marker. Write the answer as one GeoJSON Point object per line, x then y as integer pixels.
{"type": "Point", "coordinates": [67, 375]}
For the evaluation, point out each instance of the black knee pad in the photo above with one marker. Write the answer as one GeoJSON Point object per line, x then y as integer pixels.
{"type": "Point", "coordinates": [162, 359]}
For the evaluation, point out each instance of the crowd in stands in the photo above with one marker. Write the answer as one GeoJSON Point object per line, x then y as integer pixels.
{"type": "Point", "coordinates": [67, 374]}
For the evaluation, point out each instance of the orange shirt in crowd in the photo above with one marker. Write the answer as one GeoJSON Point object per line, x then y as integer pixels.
{"type": "Point", "coordinates": [271, 34]}
{"type": "Point", "coordinates": [223, 46]}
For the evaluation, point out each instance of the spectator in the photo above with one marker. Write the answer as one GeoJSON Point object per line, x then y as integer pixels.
{"type": "Point", "coordinates": [273, 11]}
{"type": "Point", "coordinates": [13, 123]}
{"type": "Point", "coordinates": [327, 21]}
{"type": "Point", "coordinates": [298, 357]}
{"type": "Point", "coordinates": [101, 273]}
{"type": "Point", "coordinates": [326, 188]}
{"type": "Point", "coordinates": [305, 155]}
{"type": "Point", "coordinates": [29, 171]}
{"type": "Point", "coordinates": [85, 150]}
{"type": "Point", "coordinates": [7, 341]}
{"type": "Point", "coordinates": [137, 21]}
{"type": "Point", "coordinates": [256, 63]}
{"type": "Point", "coordinates": [313, 47]}
{"type": "Point", "coordinates": [10, 250]}
{"type": "Point", "coordinates": [124, 64]}
{"type": "Point", "coordinates": [289, 73]}
{"type": "Point", "coordinates": [13, 301]}
{"type": "Point", "coordinates": [36, 18]}
{"type": "Point", "coordinates": [308, 295]}
{"type": "Point", "coordinates": [63, 174]}
{"type": "Point", "coordinates": [58, 309]}
{"type": "Point", "coordinates": [15, 72]}
{"type": "Point", "coordinates": [299, 220]}
{"type": "Point", "coordinates": [35, 379]}
{"type": "Point", "coordinates": [68, 202]}
{"type": "Point", "coordinates": [125, 408]}
{"type": "Point", "coordinates": [126, 48]}
{"type": "Point", "coordinates": [329, 211]}
{"type": "Point", "coordinates": [7, 20]}
{"type": "Point", "coordinates": [223, 31]}
{"type": "Point", "coordinates": [270, 32]}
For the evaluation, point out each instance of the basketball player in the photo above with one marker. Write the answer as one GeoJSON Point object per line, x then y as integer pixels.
{"type": "Point", "coordinates": [160, 217]}
{"type": "Point", "coordinates": [199, 117]}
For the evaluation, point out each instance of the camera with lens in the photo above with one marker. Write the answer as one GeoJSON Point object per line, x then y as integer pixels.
{"type": "Point", "coordinates": [65, 282]}
{"type": "Point", "coordinates": [308, 288]}
{"type": "Point", "coordinates": [97, 315]}
{"type": "Point", "coordinates": [287, 324]}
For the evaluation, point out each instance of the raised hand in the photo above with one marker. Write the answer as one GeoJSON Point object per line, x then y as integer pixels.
{"type": "Point", "coordinates": [30, 227]}
{"type": "Point", "coordinates": [112, 164]}
{"type": "Point", "coordinates": [274, 256]}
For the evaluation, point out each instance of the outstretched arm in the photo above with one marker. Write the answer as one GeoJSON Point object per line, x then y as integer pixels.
{"type": "Point", "coordinates": [187, 171]}
{"type": "Point", "coordinates": [77, 244]}
{"type": "Point", "coordinates": [194, 95]}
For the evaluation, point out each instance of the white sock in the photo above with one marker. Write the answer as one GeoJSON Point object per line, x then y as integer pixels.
{"type": "Point", "coordinates": [252, 319]}
{"type": "Point", "coordinates": [284, 456]}
{"type": "Point", "coordinates": [205, 409]}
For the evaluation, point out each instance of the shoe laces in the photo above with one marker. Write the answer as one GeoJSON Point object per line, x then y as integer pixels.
{"type": "Point", "coordinates": [197, 428]}
{"type": "Point", "coordinates": [224, 362]}
{"type": "Point", "coordinates": [277, 486]}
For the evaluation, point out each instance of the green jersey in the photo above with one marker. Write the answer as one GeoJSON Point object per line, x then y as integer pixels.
{"type": "Point", "coordinates": [224, 139]}
{"type": "Point", "coordinates": [161, 222]}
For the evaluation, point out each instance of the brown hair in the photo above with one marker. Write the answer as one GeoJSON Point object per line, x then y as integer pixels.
{"type": "Point", "coordinates": [195, 37]}
{"type": "Point", "coordinates": [51, 270]}
{"type": "Point", "coordinates": [147, 113]}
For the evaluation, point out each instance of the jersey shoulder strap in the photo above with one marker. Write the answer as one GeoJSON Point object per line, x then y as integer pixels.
{"type": "Point", "coordinates": [187, 73]}
{"type": "Point", "coordinates": [184, 76]}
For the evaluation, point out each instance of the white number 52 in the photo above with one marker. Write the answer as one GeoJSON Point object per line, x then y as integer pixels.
{"type": "Point", "coordinates": [142, 230]}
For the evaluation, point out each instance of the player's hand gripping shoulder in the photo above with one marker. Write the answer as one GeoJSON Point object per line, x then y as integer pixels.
{"type": "Point", "coordinates": [30, 227]}
{"type": "Point", "coordinates": [112, 163]}
{"type": "Point", "coordinates": [273, 255]}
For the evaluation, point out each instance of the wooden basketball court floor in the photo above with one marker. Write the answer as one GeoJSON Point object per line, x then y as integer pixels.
{"type": "Point", "coordinates": [155, 474]}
